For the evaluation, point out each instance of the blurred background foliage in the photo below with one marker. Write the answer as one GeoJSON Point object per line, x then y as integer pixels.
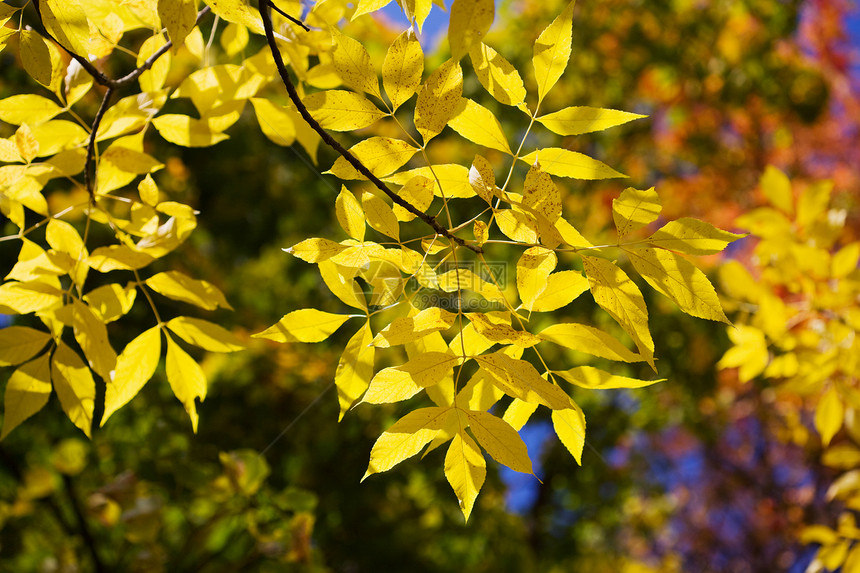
{"type": "Point", "coordinates": [700, 473]}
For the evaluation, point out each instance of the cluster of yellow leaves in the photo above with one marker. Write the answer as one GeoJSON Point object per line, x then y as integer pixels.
{"type": "Point", "coordinates": [466, 362]}
{"type": "Point", "coordinates": [798, 326]}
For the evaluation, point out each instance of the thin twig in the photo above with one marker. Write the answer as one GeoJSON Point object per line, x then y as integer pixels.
{"type": "Point", "coordinates": [288, 17]}
{"type": "Point", "coordinates": [84, 529]}
{"type": "Point", "coordinates": [91, 146]}
{"type": "Point", "coordinates": [331, 142]}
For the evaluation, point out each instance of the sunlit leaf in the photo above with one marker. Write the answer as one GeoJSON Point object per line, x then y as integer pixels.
{"type": "Point", "coordinates": [74, 386]}
{"type": "Point", "coordinates": [134, 367]}
{"type": "Point", "coordinates": [405, 438]}
{"type": "Point", "coordinates": [27, 392]}
{"type": "Point", "coordinates": [465, 469]}
{"type": "Point", "coordinates": [552, 51]}
{"type": "Point", "coordinates": [306, 325]}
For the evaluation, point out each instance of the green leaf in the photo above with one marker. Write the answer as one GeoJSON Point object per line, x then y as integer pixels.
{"type": "Point", "coordinates": [27, 392]}
{"type": "Point", "coordinates": [306, 325]}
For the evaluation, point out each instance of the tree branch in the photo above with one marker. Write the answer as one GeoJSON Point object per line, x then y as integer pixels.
{"type": "Point", "coordinates": [333, 143]}
{"type": "Point", "coordinates": [91, 145]}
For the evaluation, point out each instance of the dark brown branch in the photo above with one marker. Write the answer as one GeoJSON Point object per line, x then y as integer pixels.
{"type": "Point", "coordinates": [91, 145]}
{"type": "Point", "coordinates": [290, 18]}
{"type": "Point", "coordinates": [331, 142]}
{"type": "Point", "coordinates": [84, 529]}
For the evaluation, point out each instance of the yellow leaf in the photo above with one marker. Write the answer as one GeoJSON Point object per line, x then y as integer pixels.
{"type": "Point", "coordinates": [315, 250]}
{"type": "Point", "coordinates": [78, 82]}
{"type": "Point", "coordinates": [500, 332]}
{"type": "Point", "coordinates": [368, 6]}
{"type": "Point", "coordinates": [306, 325]}
{"type": "Point", "coordinates": [479, 393]}
{"type": "Point", "coordinates": [237, 12]}
{"type": "Point", "coordinates": [470, 21]}
{"type": "Point", "coordinates": [354, 369]}
{"type": "Point", "coordinates": [67, 22]}
{"type": "Point", "coordinates": [187, 131]}
{"type": "Point", "coordinates": [117, 257]}
{"type": "Point", "coordinates": [777, 189]}
{"type": "Point", "coordinates": [30, 108]}
{"type": "Point", "coordinates": [186, 379]}
{"type": "Point", "coordinates": [35, 56]}
{"type": "Point", "coordinates": [844, 261]}
{"type": "Point", "coordinates": [634, 209]}
{"type": "Point", "coordinates": [519, 412]}
{"type": "Point", "coordinates": [402, 68]}
{"type": "Point", "coordinates": [566, 163]}
{"type": "Point", "coordinates": [26, 143]}
{"type": "Point", "coordinates": [405, 438]}
{"type": "Point", "coordinates": [595, 379]}
{"type": "Point", "coordinates": [569, 426]}
{"type": "Point", "coordinates": [533, 270]}
{"type": "Point", "coordinates": [465, 469]}
{"type": "Point", "coordinates": [111, 301]}
{"type": "Point", "coordinates": [148, 191]}
{"type": "Point", "coordinates": [350, 214]}
{"type": "Point", "coordinates": [204, 334]}
{"type": "Point", "coordinates": [27, 297]}
{"type": "Point", "coordinates": [353, 64]}
{"type": "Point", "coordinates": [813, 202]}
{"type": "Point", "coordinates": [179, 17]}
{"type": "Point", "coordinates": [500, 440]}
{"type": "Point", "coordinates": [675, 277]}
{"type": "Point", "coordinates": [517, 226]}
{"type": "Point", "coordinates": [381, 155]}
{"type": "Point", "coordinates": [20, 343]}
{"type": "Point", "coordinates": [418, 192]}
{"type": "Point", "coordinates": [577, 120]}
{"type": "Point", "coordinates": [153, 79]}
{"type": "Point", "coordinates": [438, 99]}
{"type": "Point", "coordinates": [429, 368]}
{"type": "Point", "coordinates": [541, 195]}
{"type": "Point", "coordinates": [561, 289]}
{"type": "Point", "coordinates": [178, 286]}
{"type": "Point", "coordinates": [497, 75]}
{"type": "Point", "coordinates": [481, 232]}
{"type": "Point", "coordinates": [519, 379]}
{"type": "Point", "coordinates": [340, 110]}
{"type": "Point", "coordinates": [478, 124]}
{"type": "Point", "coordinates": [588, 339]}
{"type": "Point", "coordinates": [829, 414]}
{"type": "Point", "coordinates": [482, 179]}
{"type": "Point", "coordinates": [749, 352]}
{"type": "Point", "coordinates": [613, 290]}
{"type": "Point", "coordinates": [410, 328]}
{"type": "Point", "coordinates": [134, 367]}
{"type": "Point", "coordinates": [130, 114]}
{"type": "Point", "coordinates": [56, 135]}
{"type": "Point", "coordinates": [234, 39]}
{"type": "Point", "coordinates": [552, 51]}
{"type": "Point", "coordinates": [27, 392]}
{"type": "Point", "coordinates": [380, 216]}
{"type": "Point", "coordinates": [692, 237]}
{"type": "Point", "coordinates": [92, 336]}
{"type": "Point", "coordinates": [75, 387]}
{"type": "Point", "coordinates": [391, 385]}
{"type": "Point", "coordinates": [465, 279]}
{"type": "Point", "coordinates": [454, 180]}
{"type": "Point", "coordinates": [340, 280]}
